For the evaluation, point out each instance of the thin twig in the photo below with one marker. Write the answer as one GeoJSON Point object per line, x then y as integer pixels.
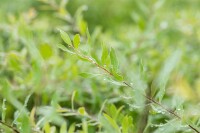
{"type": "Point", "coordinates": [128, 85]}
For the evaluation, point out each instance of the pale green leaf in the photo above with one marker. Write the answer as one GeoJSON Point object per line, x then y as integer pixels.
{"type": "Point", "coordinates": [125, 124]}
{"type": "Point", "coordinates": [63, 128]}
{"type": "Point", "coordinates": [164, 74]}
{"type": "Point", "coordinates": [118, 76]}
{"type": "Point", "coordinates": [81, 111]}
{"type": "Point", "coordinates": [76, 40]}
{"type": "Point", "coordinates": [112, 122]}
{"type": "Point", "coordinates": [104, 54]}
{"type": "Point", "coordinates": [71, 128]}
{"type": "Point", "coordinates": [47, 128]}
{"type": "Point", "coordinates": [88, 36]}
{"type": "Point", "coordinates": [89, 75]}
{"type": "Point", "coordinates": [65, 48]}
{"type": "Point", "coordinates": [65, 37]}
{"type": "Point", "coordinates": [114, 61]}
{"type": "Point", "coordinates": [72, 99]}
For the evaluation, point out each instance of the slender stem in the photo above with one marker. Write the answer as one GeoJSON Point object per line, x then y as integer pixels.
{"type": "Point", "coordinates": [155, 102]}
{"type": "Point", "coordinates": [128, 85]}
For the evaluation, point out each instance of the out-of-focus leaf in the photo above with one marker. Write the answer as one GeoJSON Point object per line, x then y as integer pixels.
{"type": "Point", "coordinates": [47, 128]}
{"type": "Point", "coordinates": [65, 48]}
{"type": "Point", "coordinates": [89, 75]}
{"type": "Point", "coordinates": [82, 58]}
{"type": "Point", "coordinates": [112, 122]}
{"type": "Point", "coordinates": [46, 51]}
{"type": "Point", "coordinates": [163, 76]}
{"type": "Point", "coordinates": [85, 126]}
{"type": "Point", "coordinates": [72, 99]}
{"type": "Point", "coordinates": [76, 40]}
{"type": "Point", "coordinates": [118, 76]}
{"type": "Point", "coordinates": [71, 128]}
{"type": "Point", "coordinates": [3, 114]}
{"type": "Point", "coordinates": [26, 128]}
{"type": "Point", "coordinates": [65, 37]}
{"type": "Point", "coordinates": [125, 124]}
{"type": "Point", "coordinates": [169, 127]}
{"type": "Point", "coordinates": [88, 36]}
{"type": "Point", "coordinates": [114, 61]}
{"type": "Point", "coordinates": [32, 116]}
{"type": "Point", "coordinates": [63, 128]}
{"type": "Point", "coordinates": [81, 110]}
{"type": "Point", "coordinates": [104, 54]}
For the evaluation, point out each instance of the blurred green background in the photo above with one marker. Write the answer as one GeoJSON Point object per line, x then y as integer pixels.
{"type": "Point", "coordinates": [157, 44]}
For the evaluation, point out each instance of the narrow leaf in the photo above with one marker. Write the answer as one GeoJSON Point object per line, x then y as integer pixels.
{"type": "Point", "coordinates": [65, 48]}
{"type": "Point", "coordinates": [71, 128]}
{"type": "Point", "coordinates": [104, 54]}
{"type": "Point", "coordinates": [112, 122]}
{"type": "Point", "coordinates": [63, 128]}
{"type": "Point", "coordinates": [76, 40]}
{"type": "Point", "coordinates": [89, 75]}
{"type": "Point", "coordinates": [88, 36]}
{"type": "Point", "coordinates": [65, 37]}
{"type": "Point", "coordinates": [164, 74]}
{"type": "Point", "coordinates": [125, 124]}
{"type": "Point", "coordinates": [114, 60]}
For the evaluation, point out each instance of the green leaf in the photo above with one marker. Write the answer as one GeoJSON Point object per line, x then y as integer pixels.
{"type": "Point", "coordinates": [112, 122]}
{"type": "Point", "coordinates": [113, 111]}
{"type": "Point", "coordinates": [63, 128]}
{"type": "Point", "coordinates": [46, 50]}
{"type": "Point", "coordinates": [72, 99]}
{"type": "Point", "coordinates": [89, 75]}
{"type": "Point", "coordinates": [82, 58]}
{"type": "Point", "coordinates": [164, 74]}
{"type": "Point", "coordinates": [76, 40]}
{"type": "Point", "coordinates": [65, 37]}
{"type": "Point", "coordinates": [64, 48]}
{"type": "Point", "coordinates": [3, 114]}
{"type": "Point", "coordinates": [118, 76]}
{"type": "Point", "coordinates": [81, 111]}
{"type": "Point", "coordinates": [114, 61]}
{"type": "Point", "coordinates": [82, 26]}
{"type": "Point", "coordinates": [71, 128]}
{"type": "Point", "coordinates": [47, 128]}
{"type": "Point", "coordinates": [125, 124]}
{"type": "Point", "coordinates": [104, 54]}
{"type": "Point", "coordinates": [88, 36]}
